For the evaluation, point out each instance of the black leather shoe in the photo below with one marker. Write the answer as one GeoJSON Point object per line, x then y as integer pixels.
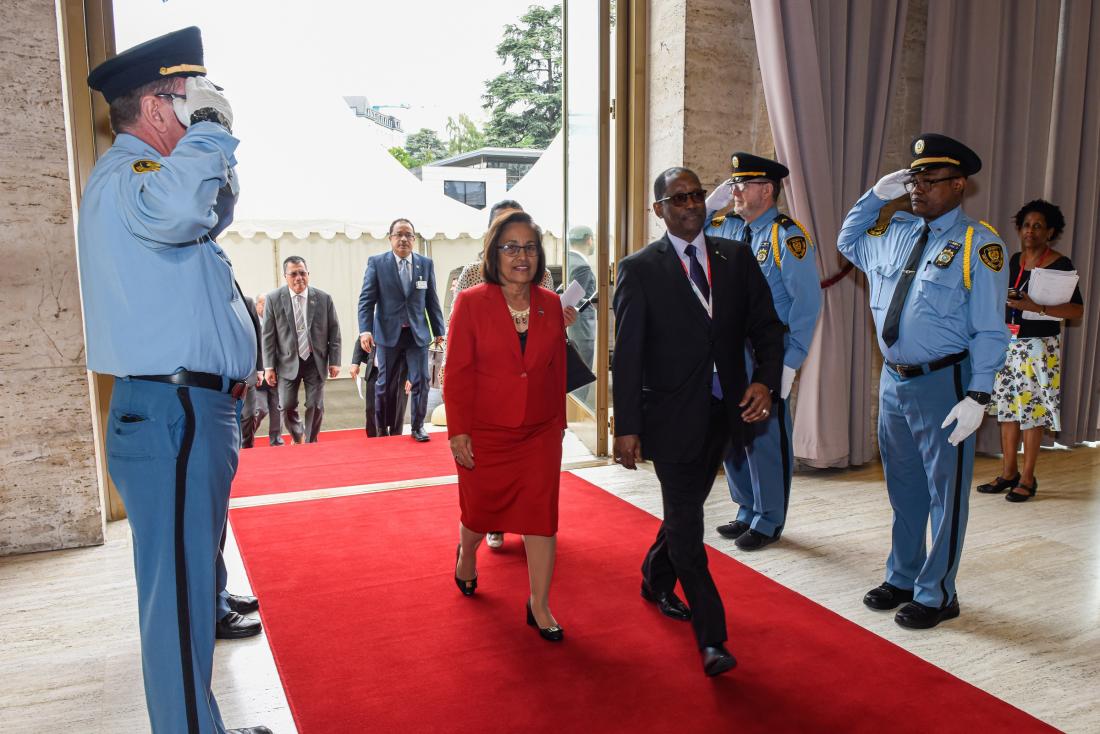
{"type": "Point", "coordinates": [733, 530]}
{"type": "Point", "coordinates": [1015, 495]}
{"type": "Point", "coordinates": [999, 485]}
{"type": "Point", "coordinates": [751, 540]}
{"type": "Point", "coordinates": [235, 627]}
{"type": "Point", "coordinates": [717, 660]}
{"type": "Point", "coordinates": [249, 730]}
{"type": "Point", "coordinates": [466, 587]}
{"type": "Point", "coordinates": [421, 435]}
{"type": "Point", "coordinates": [276, 441]}
{"type": "Point", "coordinates": [887, 597]}
{"type": "Point", "coordinates": [667, 601]}
{"type": "Point", "coordinates": [916, 616]}
{"type": "Point", "coordinates": [242, 604]}
{"type": "Point", "coordinates": [550, 634]}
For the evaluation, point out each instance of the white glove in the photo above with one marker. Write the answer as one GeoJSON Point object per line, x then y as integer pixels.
{"type": "Point", "coordinates": [721, 197]}
{"type": "Point", "coordinates": [968, 416]}
{"type": "Point", "coordinates": [788, 382]}
{"type": "Point", "coordinates": [892, 185]}
{"type": "Point", "coordinates": [201, 94]}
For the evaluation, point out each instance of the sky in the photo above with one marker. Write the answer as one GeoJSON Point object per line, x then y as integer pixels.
{"type": "Point", "coordinates": [433, 55]}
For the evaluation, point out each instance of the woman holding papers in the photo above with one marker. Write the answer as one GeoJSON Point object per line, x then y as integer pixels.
{"type": "Point", "coordinates": [1025, 395]}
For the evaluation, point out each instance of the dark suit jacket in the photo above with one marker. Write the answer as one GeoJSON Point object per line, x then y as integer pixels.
{"type": "Point", "coordinates": [489, 380]}
{"type": "Point", "coordinates": [384, 305]}
{"type": "Point", "coordinates": [280, 340]}
{"type": "Point", "coordinates": [665, 346]}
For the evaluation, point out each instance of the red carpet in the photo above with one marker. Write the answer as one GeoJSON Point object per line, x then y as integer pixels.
{"type": "Point", "coordinates": [323, 437]}
{"type": "Point", "coordinates": [341, 459]}
{"type": "Point", "coordinates": [370, 634]}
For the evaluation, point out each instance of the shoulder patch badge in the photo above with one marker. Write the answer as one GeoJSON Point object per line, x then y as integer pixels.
{"type": "Point", "coordinates": [762, 253]}
{"type": "Point", "coordinates": [797, 246]}
{"type": "Point", "coordinates": [992, 256]}
{"type": "Point", "coordinates": [717, 221]}
{"type": "Point", "coordinates": [145, 166]}
{"type": "Point", "coordinates": [879, 229]}
{"type": "Point", "coordinates": [947, 254]}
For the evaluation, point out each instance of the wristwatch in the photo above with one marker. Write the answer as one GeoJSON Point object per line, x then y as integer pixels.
{"type": "Point", "coordinates": [981, 398]}
{"type": "Point", "coordinates": [209, 114]}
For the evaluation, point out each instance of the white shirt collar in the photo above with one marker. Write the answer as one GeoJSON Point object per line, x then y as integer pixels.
{"type": "Point", "coordinates": [304, 294]}
{"type": "Point", "coordinates": [398, 260]}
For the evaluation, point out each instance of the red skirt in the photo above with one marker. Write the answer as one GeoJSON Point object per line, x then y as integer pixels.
{"type": "Point", "coordinates": [513, 487]}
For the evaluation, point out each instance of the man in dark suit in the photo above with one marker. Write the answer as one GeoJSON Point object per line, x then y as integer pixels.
{"type": "Point", "coordinates": [397, 396]}
{"type": "Point", "coordinates": [684, 307]}
{"type": "Point", "coordinates": [301, 341]}
{"type": "Point", "coordinates": [397, 306]}
{"type": "Point", "coordinates": [267, 397]}
{"type": "Point", "coordinates": [248, 408]}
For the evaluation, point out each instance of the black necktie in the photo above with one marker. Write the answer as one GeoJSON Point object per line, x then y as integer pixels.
{"type": "Point", "coordinates": [695, 270]}
{"type": "Point", "coordinates": [901, 290]}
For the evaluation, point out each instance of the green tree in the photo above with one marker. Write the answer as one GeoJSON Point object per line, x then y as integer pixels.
{"type": "Point", "coordinates": [463, 135]}
{"type": "Point", "coordinates": [525, 102]}
{"type": "Point", "coordinates": [403, 157]}
{"type": "Point", "coordinates": [424, 146]}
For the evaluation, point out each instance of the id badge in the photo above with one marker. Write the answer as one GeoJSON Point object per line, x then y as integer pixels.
{"type": "Point", "coordinates": [1013, 330]}
{"type": "Point", "coordinates": [422, 285]}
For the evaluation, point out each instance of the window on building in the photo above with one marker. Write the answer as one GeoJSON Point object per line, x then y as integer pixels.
{"type": "Point", "coordinates": [471, 193]}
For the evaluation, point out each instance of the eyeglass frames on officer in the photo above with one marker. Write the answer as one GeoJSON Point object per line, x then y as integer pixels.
{"type": "Point", "coordinates": [698, 197]}
{"type": "Point", "coordinates": [742, 185]}
{"type": "Point", "coordinates": [913, 184]}
{"type": "Point", "coordinates": [513, 249]}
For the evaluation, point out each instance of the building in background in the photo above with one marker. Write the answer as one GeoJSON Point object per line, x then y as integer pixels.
{"type": "Point", "coordinates": [388, 127]}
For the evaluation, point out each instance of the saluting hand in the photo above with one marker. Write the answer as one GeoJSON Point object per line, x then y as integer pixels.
{"type": "Point", "coordinates": [756, 402]}
{"type": "Point", "coordinates": [463, 451]}
{"type": "Point", "coordinates": [628, 451]}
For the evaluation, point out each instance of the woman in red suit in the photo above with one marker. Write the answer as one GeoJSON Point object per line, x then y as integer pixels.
{"type": "Point", "coordinates": [505, 397]}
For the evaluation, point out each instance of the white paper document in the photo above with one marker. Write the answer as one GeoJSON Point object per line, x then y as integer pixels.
{"type": "Point", "coordinates": [573, 295]}
{"type": "Point", "coordinates": [359, 386]}
{"type": "Point", "coordinates": [1050, 288]}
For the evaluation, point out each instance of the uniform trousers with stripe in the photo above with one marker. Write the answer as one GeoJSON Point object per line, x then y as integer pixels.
{"type": "Point", "coordinates": [172, 452]}
{"type": "Point", "coordinates": [759, 475]}
{"type": "Point", "coordinates": [927, 479]}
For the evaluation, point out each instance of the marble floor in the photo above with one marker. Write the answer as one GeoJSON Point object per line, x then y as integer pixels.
{"type": "Point", "coordinates": [1029, 586]}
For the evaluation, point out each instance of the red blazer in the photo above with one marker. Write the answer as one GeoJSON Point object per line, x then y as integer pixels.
{"type": "Point", "coordinates": [488, 380]}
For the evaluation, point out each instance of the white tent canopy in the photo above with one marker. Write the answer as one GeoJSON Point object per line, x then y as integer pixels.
{"type": "Point", "coordinates": [323, 170]}
{"type": "Point", "coordinates": [541, 190]}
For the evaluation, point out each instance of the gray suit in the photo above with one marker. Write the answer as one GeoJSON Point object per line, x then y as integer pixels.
{"type": "Point", "coordinates": [280, 349]}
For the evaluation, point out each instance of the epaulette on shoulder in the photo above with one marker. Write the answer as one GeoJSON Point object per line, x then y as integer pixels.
{"type": "Point", "coordinates": [785, 221]}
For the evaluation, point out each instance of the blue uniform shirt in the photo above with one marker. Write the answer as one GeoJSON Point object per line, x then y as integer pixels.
{"type": "Point", "coordinates": [796, 289]}
{"type": "Point", "coordinates": [159, 294]}
{"type": "Point", "coordinates": [948, 309]}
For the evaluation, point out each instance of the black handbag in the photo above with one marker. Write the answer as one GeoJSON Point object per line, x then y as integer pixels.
{"type": "Point", "coordinates": [577, 373]}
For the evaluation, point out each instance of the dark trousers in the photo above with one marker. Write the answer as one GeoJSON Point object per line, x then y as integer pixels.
{"type": "Point", "coordinates": [390, 384]}
{"type": "Point", "coordinates": [315, 400]}
{"type": "Point", "coordinates": [267, 405]}
{"type": "Point", "coordinates": [678, 552]}
{"type": "Point", "coordinates": [398, 399]}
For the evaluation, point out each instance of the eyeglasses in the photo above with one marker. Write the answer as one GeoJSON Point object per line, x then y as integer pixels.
{"type": "Point", "coordinates": [513, 249]}
{"type": "Point", "coordinates": [697, 197]}
{"type": "Point", "coordinates": [925, 183]}
{"type": "Point", "coordinates": [403, 236]}
{"type": "Point", "coordinates": [170, 95]}
{"type": "Point", "coordinates": [742, 185]}
{"type": "Point", "coordinates": [297, 274]}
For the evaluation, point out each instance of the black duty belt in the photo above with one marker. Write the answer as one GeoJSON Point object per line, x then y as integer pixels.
{"type": "Point", "coordinates": [205, 380]}
{"type": "Point", "coordinates": [916, 370]}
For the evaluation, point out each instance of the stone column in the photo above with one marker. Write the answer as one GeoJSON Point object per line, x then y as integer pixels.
{"type": "Point", "coordinates": [49, 494]}
{"type": "Point", "coordinates": [706, 98]}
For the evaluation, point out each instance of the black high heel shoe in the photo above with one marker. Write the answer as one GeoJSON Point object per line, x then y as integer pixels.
{"type": "Point", "coordinates": [550, 634]}
{"type": "Point", "coordinates": [999, 485]}
{"type": "Point", "coordinates": [466, 587]}
{"type": "Point", "coordinates": [1014, 496]}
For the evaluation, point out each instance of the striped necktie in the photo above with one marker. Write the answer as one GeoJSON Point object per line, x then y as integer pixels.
{"type": "Point", "coordinates": [300, 326]}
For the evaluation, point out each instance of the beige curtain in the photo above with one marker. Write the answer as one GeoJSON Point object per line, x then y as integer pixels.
{"type": "Point", "coordinates": [1018, 81]}
{"type": "Point", "coordinates": [829, 69]}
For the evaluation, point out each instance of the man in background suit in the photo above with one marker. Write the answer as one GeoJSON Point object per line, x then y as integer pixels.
{"type": "Point", "coordinates": [397, 306]}
{"type": "Point", "coordinates": [249, 422]}
{"type": "Point", "coordinates": [267, 397]}
{"type": "Point", "coordinates": [364, 361]}
{"type": "Point", "coordinates": [684, 307]}
{"type": "Point", "coordinates": [301, 342]}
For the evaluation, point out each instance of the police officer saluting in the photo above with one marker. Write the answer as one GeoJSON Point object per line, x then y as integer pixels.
{"type": "Point", "coordinates": [938, 284]}
{"type": "Point", "coordinates": [152, 206]}
{"type": "Point", "coordinates": [759, 474]}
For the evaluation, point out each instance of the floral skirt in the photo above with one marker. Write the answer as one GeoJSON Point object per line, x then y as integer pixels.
{"type": "Point", "coordinates": [1027, 387]}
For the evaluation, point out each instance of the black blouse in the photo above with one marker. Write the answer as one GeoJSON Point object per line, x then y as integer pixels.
{"type": "Point", "coordinates": [1029, 328]}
